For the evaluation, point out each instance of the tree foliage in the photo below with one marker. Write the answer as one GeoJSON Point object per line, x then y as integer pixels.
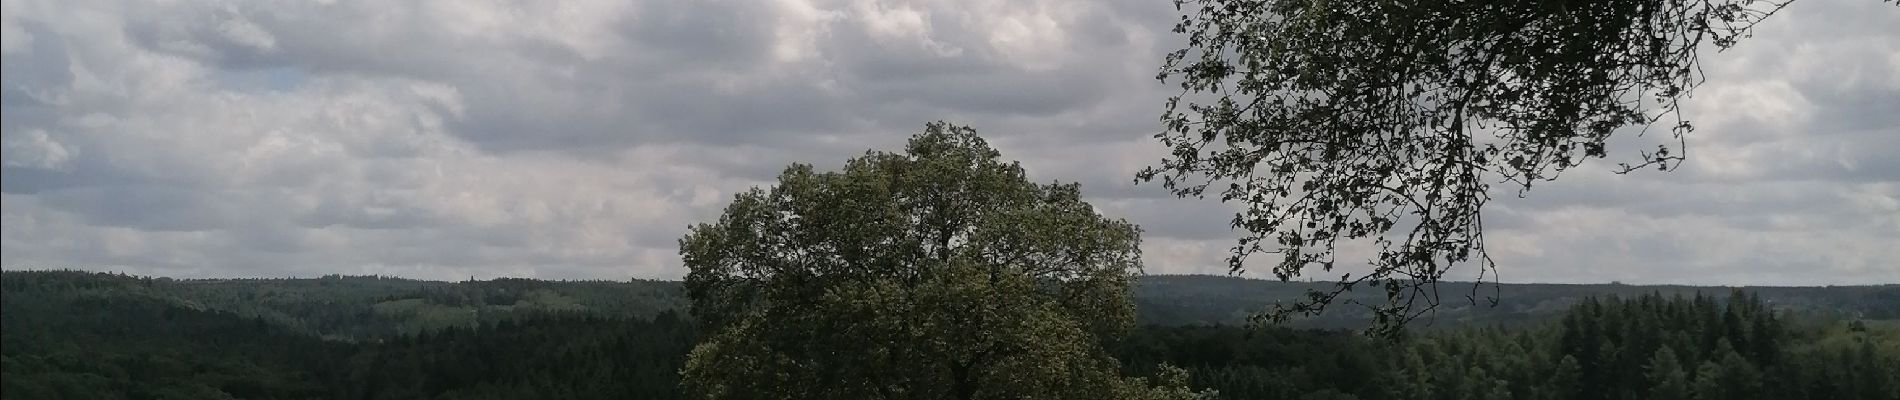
{"type": "Point", "coordinates": [1387, 122]}
{"type": "Point", "coordinates": [1645, 347]}
{"type": "Point", "coordinates": [70, 335]}
{"type": "Point", "coordinates": [939, 272]}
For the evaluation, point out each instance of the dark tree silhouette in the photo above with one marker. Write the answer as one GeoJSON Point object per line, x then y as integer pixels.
{"type": "Point", "coordinates": [1388, 122]}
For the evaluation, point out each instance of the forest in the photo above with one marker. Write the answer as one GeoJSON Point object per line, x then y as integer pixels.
{"type": "Point", "coordinates": [1342, 132]}
{"type": "Point", "coordinates": [81, 335]}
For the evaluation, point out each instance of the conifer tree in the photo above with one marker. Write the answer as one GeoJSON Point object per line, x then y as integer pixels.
{"type": "Point", "coordinates": [1667, 381]}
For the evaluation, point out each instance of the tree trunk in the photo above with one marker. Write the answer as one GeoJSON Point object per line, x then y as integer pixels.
{"type": "Point", "coordinates": [965, 385]}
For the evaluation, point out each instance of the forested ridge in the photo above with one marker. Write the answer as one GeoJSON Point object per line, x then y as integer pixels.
{"type": "Point", "coordinates": [1204, 299]}
{"type": "Point", "coordinates": [1644, 347]}
{"type": "Point", "coordinates": [76, 335]}
{"type": "Point", "coordinates": [371, 307]}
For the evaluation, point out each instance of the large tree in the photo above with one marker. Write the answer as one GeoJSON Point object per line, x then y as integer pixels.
{"type": "Point", "coordinates": [1387, 122]}
{"type": "Point", "coordinates": [938, 273]}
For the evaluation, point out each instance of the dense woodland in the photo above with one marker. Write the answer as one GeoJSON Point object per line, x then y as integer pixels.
{"type": "Point", "coordinates": [944, 272]}
{"type": "Point", "coordinates": [74, 335]}
{"type": "Point", "coordinates": [1646, 347]}
{"type": "Point", "coordinates": [71, 335]}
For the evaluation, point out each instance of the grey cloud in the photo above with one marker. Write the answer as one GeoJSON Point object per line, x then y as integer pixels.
{"type": "Point", "coordinates": [147, 207]}
{"type": "Point", "coordinates": [343, 37]}
{"type": "Point", "coordinates": [578, 140]}
{"type": "Point", "coordinates": [1030, 93]}
{"type": "Point", "coordinates": [1862, 107]}
{"type": "Point", "coordinates": [529, 93]}
{"type": "Point", "coordinates": [376, 212]}
{"type": "Point", "coordinates": [88, 167]}
{"type": "Point", "coordinates": [1188, 220]}
{"type": "Point", "coordinates": [41, 68]}
{"type": "Point", "coordinates": [720, 35]}
{"type": "Point", "coordinates": [31, 180]}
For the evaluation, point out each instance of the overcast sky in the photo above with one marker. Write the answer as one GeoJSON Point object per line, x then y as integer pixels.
{"type": "Point", "coordinates": [445, 139]}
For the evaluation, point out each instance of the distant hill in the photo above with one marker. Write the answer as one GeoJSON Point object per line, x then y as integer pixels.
{"type": "Point", "coordinates": [75, 335]}
{"type": "Point", "coordinates": [82, 335]}
{"type": "Point", "coordinates": [363, 307]}
{"type": "Point", "coordinates": [1205, 299]}
{"type": "Point", "coordinates": [367, 307]}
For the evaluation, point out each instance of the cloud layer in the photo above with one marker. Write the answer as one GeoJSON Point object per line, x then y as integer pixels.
{"type": "Point", "coordinates": [447, 139]}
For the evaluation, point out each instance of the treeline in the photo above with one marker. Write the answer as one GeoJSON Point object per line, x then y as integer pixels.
{"type": "Point", "coordinates": [369, 307]}
{"type": "Point", "coordinates": [554, 357]}
{"type": "Point", "coordinates": [97, 339]}
{"type": "Point", "coordinates": [75, 335]}
{"type": "Point", "coordinates": [1647, 347]}
{"type": "Point", "coordinates": [1205, 299]}
{"type": "Point", "coordinates": [126, 348]}
{"type": "Point", "coordinates": [366, 307]}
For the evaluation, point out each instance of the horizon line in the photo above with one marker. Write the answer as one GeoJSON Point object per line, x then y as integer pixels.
{"type": "Point", "coordinates": [635, 279]}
